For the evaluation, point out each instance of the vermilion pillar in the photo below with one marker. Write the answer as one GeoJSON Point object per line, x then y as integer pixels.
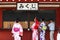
{"type": "Point", "coordinates": [1, 18]}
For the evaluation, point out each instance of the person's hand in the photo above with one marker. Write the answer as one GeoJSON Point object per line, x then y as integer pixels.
{"type": "Point", "coordinates": [28, 29]}
{"type": "Point", "coordinates": [20, 35]}
{"type": "Point", "coordinates": [12, 35]}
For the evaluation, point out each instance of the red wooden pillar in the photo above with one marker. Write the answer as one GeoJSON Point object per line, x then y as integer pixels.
{"type": "Point", "coordinates": [1, 18]}
{"type": "Point", "coordinates": [57, 23]}
{"type": "Point", "coordinates": [58, 17]}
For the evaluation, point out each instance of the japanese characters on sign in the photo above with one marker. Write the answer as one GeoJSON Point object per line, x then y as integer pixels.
{"type": "Point", "coordinates": [27, 6]}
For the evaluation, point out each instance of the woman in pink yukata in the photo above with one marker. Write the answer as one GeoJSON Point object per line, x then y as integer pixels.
{"type": "Point", "coordinates": [17, 31]}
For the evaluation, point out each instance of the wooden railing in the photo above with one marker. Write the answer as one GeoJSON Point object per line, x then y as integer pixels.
{"type": "Point", "coordinates": [9, 24]}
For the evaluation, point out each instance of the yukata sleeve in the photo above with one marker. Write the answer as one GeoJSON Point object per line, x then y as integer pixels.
{"type": "Point", "coordinates": [32, 27]}
{"type": "Point", "coordinates": [21, 31]}
{"type": "Point", "coordinates": [12, 29]}
{"type": "Point", "coordinates": [40, 26]}
{"type": "Point", "coordinates": [58, 37]}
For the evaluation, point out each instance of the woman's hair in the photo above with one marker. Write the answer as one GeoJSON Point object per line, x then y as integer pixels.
{"type": "Point", "coordinates": [43, 19]}
{"type": "Point", "coordinates": [17, 20]}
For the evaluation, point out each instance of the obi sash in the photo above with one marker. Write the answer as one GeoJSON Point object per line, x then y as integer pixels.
{"type": "Point", "coordinates": [16, 29]}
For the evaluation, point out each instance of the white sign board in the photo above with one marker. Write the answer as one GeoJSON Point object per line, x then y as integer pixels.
{"type": "Point", "coordinates": [27, 6]}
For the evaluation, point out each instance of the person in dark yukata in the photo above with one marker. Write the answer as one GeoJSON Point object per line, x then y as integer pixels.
{"type": "Point", "coordinates": [42, 28]}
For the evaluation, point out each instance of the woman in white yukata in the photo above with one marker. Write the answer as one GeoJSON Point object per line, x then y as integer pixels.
{"type": "Point", "coordinates": [17, 31]}
{"type": "Point", "coordinates": [34, 28]}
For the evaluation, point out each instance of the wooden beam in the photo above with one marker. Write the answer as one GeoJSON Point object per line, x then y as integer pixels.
{"type": "Point", "coordinates": [41, 5]}
{"type": "Point", "coordinates": [51, 2]}
{"type": "Point", "coordinates": [7, 5]}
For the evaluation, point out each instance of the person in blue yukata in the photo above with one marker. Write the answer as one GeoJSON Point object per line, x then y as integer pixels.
{"type": "Point", "coordinates": [42, 27]}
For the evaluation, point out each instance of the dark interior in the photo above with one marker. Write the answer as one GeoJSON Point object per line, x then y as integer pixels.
{"type": "Point", "coordinates": [12, 15]}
